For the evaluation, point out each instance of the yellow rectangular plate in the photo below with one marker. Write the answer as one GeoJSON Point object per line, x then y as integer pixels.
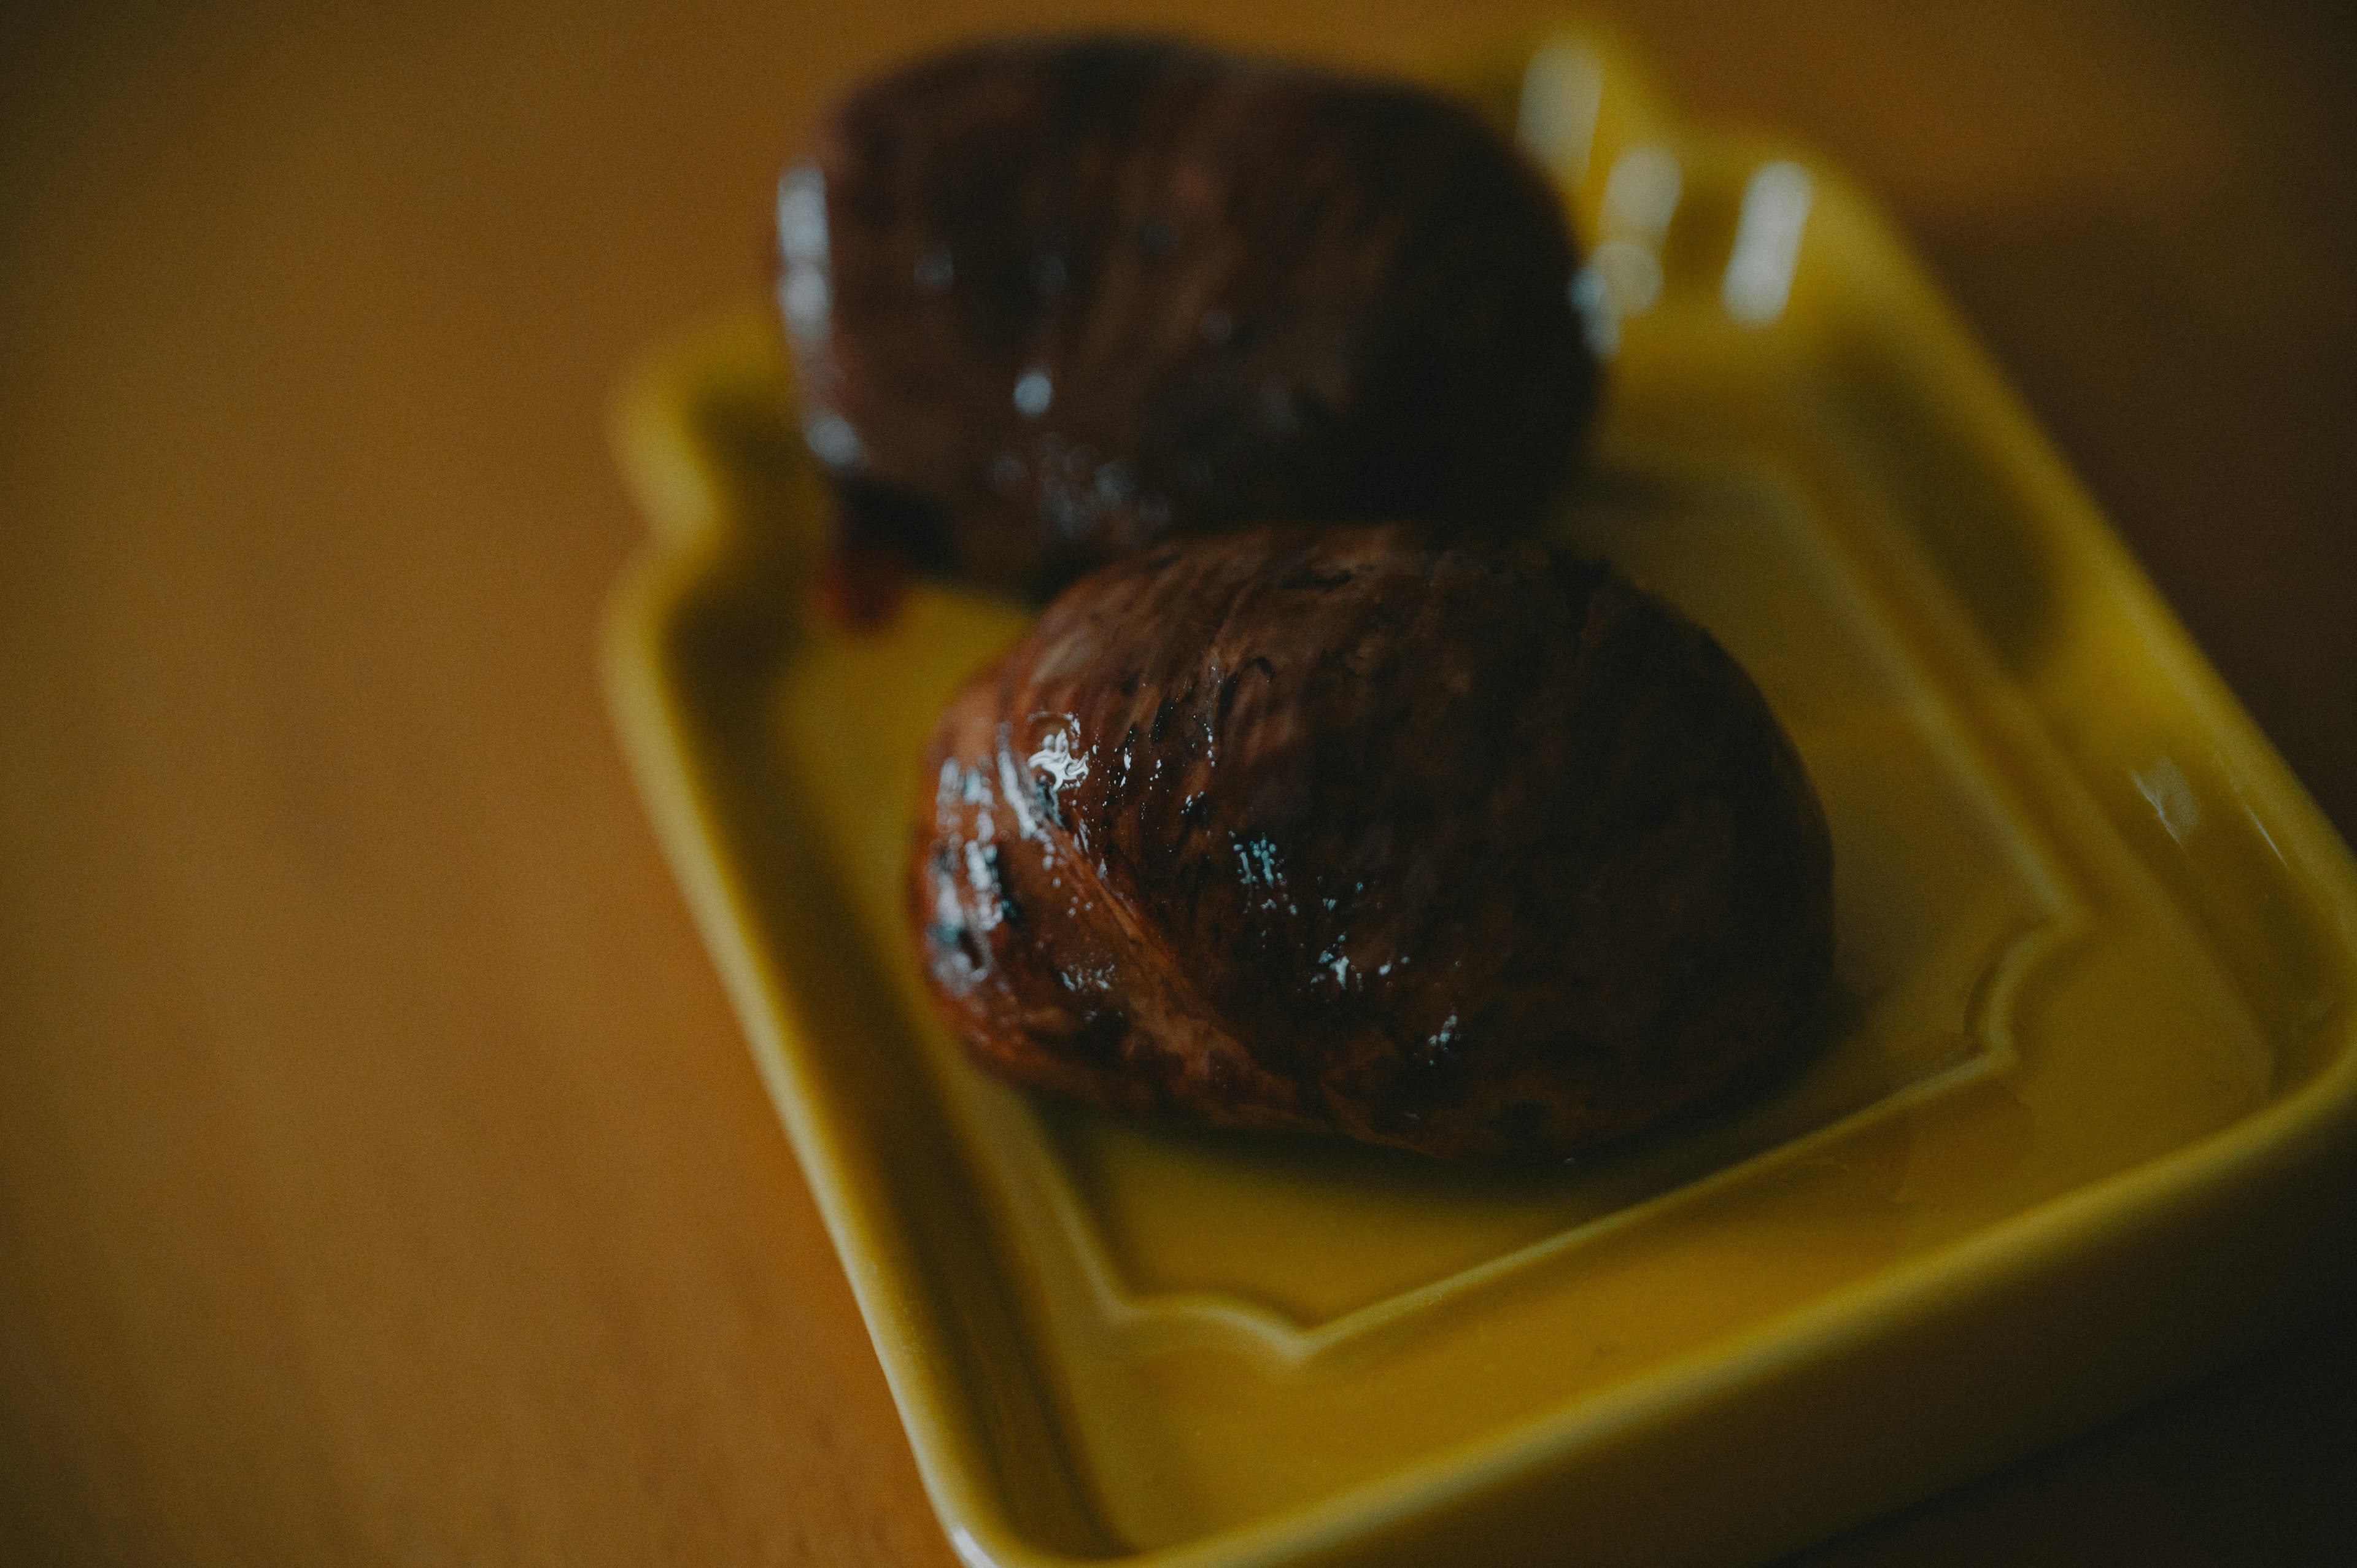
{"type": "Point", "coordinates": [2086, 1125]}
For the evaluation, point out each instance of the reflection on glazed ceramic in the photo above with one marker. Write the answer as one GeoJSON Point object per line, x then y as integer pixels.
{"type": "Point", "coordinates": [1641, 195]}
{"type": "Point", "coordinates": [1759, 277]}
{"type": "Point", "coordinates": [1562, 87]}
{"type": "Point", "coordinates": [1623, 274]}
{"type": "Point", "coordinates": [2165, 789]}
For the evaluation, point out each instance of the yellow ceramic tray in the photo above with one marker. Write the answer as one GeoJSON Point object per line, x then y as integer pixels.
{"type": "Point", "coordinates": [2085, 1127]}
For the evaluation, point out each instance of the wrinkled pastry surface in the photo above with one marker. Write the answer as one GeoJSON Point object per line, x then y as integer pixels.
{"type": "Point", "coordinates": [1477, 854]}
{"type": "Point", "coordinates": [1056, 301]}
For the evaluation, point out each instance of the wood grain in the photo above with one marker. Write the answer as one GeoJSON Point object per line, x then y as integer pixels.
{"type": "Point", "coordinates": [382, 1176]}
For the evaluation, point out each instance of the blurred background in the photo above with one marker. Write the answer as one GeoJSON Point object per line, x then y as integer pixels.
{"type": "Point", "coordinates": [383, 1176]}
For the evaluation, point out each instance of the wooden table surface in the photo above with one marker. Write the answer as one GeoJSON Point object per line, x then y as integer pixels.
{"type": "Point", "coordinates": [382, 1177]}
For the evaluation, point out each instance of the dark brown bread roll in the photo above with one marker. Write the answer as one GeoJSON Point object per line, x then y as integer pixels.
{"type": "Point", "coordinates": [1053, 302]}
{"type": "Point", "coordinates": [1475, 854]}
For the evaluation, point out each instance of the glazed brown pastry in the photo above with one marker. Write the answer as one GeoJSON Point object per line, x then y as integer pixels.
{"type": "Point", "coordinates": [1472, 852]}
{"type": "Point", "coordinates": [1053, 302]}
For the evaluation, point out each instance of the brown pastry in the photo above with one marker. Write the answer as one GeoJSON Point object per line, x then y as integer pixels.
{"type": "Point", "coordinates": [1472, 853]}
{"type": "Point", "coordinates": [1053, 302]}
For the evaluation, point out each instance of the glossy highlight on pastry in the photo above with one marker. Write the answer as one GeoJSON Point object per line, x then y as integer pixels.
{"type": "Point", "coordinates": [1477, 854]}
{"type": "Point", "coordinates": [1056, 301]}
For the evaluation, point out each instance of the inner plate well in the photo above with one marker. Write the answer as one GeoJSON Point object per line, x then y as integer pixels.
{"type": "Point", "coordinates": [1931, 943]}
